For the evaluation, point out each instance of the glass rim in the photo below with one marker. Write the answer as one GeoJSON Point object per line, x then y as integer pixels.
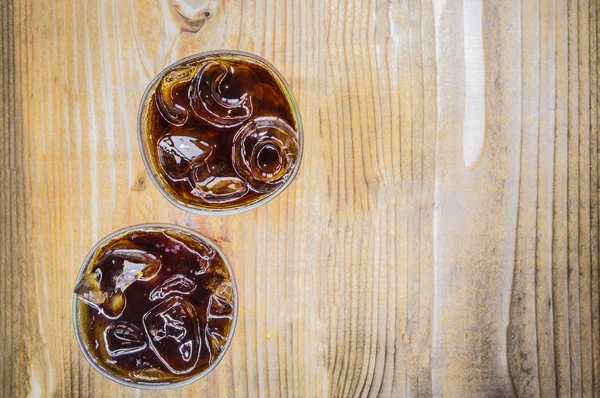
{"type": "Point", "coordinates": [150, 169]}
{"type": "Point", "coordinates": [82, 345]}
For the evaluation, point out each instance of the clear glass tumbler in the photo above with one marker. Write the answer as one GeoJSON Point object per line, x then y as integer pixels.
{"type": "Point", "coordinates": [81, 308]}
{"type": "Point", "coordinates": [149, 150]}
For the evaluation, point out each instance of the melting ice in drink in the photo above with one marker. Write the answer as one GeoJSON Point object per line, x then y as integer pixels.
{"type": "Point", "coordinates": [155, 306]}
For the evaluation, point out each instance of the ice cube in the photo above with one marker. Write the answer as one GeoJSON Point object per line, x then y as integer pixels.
{"type": "Point", "coordinates": [219, 96]}
{"type": "Point", "coordinates": [109, 302]}
{"type": "Point", "coordinates": [178, 152]}
{"type": "Point", "coordinates": [173, 285]}
{"type": "Point", "coordinates": [103, 288]}
{"type": "Point", "coordinates": [88, 288]}
{"type": "Point", "coordinates": [265, 152]}
{"type": "Point", "coordinates": [218, 319]}
{"type": "Point", "coordinates": [121, 338]}
{"type": "Point", "coordinates": [225, 291]}
{"type": "Point", "coordinates": [131, 273]}
{"type": "Point", "coordinates": [136, 264]}
{"type": "Point", "coordinates": [114, 305]}
{"type": "Point", "coordinates": [171, 104]}
{"type": "Point", "coordinates": [216, 189]}
{"type": "Point", "coordinates": [220, 303]}
{"type": "Point", "coordinates": [174, 334]}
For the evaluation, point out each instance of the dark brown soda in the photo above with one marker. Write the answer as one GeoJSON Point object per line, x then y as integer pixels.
{"type": "Point", "coordinates": [221, 131]}
{"type": "Point", "coordinates": [155, 306]}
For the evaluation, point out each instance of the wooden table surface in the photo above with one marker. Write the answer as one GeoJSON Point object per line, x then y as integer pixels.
{"type": "Point", "coordinates": [442, 236]}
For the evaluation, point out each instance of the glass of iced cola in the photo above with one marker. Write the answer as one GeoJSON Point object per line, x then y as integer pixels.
{"type": "Point", "coordinates": [155, 306]}
{"type": "Point", "coordinates": [220, 132]}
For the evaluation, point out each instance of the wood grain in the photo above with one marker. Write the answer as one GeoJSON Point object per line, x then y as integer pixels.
{"type": "Point", "coordinates": [441, 239]}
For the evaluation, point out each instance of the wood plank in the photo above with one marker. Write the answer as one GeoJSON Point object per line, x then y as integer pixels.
{"type": "Point", "coordinates": [441, 239]}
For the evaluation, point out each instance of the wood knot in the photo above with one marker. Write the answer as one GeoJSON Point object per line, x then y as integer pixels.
{"type": "Point", "coordinates": [140, 184]}
{"type": "Point", "coordinates": [193, 14]}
